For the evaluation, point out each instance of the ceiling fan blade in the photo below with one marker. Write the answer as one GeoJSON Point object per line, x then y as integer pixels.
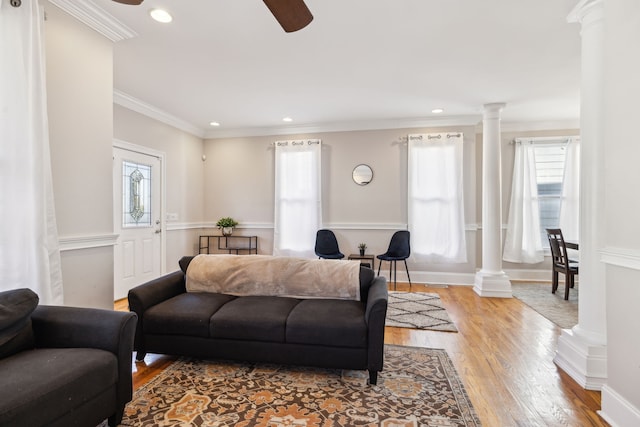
{"type": "Point", "coordinates": [292, 15]}
{"type": "Point", "coordinates": [133, 2]}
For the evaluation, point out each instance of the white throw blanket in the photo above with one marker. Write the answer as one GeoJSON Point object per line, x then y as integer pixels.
{"type": "Point", "coordinates": [265, 275]}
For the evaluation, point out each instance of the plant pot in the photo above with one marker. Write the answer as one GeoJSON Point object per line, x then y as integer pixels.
{"type": "Point", "coordinates": [227, 231]}
{"type": "Point", "coordinates": [361, 252]}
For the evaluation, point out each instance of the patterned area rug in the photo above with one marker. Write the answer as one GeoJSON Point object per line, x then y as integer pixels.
{"type": "Point", "coordinates": [418, 387]}
{"type": "Point", "coordinates": [418, 310]}
{"type": "Point", "coordinates": [538, 296]}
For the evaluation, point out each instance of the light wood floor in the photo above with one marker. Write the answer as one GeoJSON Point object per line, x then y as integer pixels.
{"type": "Point", "coordinates": [503, 352]}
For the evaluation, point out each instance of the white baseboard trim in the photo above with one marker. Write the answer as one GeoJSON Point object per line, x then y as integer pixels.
{"type": "Point", "coordinates": [429, 277]}
{"type": "Point", "coordinates": [72, 243]}
{"type": "Point", "coordinates": [616, 410]}
{"type": "Point", "coordinates": [530, 275]}
{"type": "Point", "coordinates": [584, 362]}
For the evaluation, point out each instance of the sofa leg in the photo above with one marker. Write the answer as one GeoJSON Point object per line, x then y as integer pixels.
{"type": "Point", "coordinates": [115, 419]}
{"type": "Point", "coordinates": [140, 355]}
{"type": "Point", "coordinates": [373, 377]}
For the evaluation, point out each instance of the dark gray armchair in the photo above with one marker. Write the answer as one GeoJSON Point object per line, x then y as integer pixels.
{"type": "Point", "coordinates": [63, 366]}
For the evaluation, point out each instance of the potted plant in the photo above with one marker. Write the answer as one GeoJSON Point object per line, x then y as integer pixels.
{"type": "Point", "coordinates": [226, 224]}
{"type": "Point", "coordinates": [362, 247]}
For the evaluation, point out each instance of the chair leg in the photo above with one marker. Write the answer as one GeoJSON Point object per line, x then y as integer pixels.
{"type": "Point", "coordinates": [395, 284]}
{"type": "Point", "coordinates": [379, 265]}
{"type": "Point", "coordinates": [407, 268]}
{"type": "Point", "coordinates": [568, 278]}
{"type": "Point", "coordinates": [554, 282]}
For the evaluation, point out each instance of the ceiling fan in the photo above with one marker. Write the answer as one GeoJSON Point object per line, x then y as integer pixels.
{"type": "Point", "coordinates": [292, 15]}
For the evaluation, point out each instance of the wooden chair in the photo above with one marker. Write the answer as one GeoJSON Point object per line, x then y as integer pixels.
{"type": "Point", "coordinates": [561, 262]}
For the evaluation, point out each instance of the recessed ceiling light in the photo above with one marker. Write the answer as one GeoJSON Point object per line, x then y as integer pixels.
{"type": "Point", "coordinates": [161, 15]}
{"type": "Point", "coordinates": [287, 119]}
{"type": "Point", "coordinates": [214, 124]}
{"type": "Point", "coordinates": [437, 111]}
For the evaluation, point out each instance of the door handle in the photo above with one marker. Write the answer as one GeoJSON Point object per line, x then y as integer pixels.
{"type": "Point", "coordinates": [158, 230]}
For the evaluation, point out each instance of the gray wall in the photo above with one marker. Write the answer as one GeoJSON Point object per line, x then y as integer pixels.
{"type": "Point", "coordinates": [622, 251]}
{"type": "Point", "coordinates": [239, 174]}
{"type": "Point", "coordinates": [79, 89]}
{"type": "Point", "coordinates": [236, 179]}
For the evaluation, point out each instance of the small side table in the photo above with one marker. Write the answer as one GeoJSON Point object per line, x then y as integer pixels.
{"type": "Point", "coordinates": [363, 259]}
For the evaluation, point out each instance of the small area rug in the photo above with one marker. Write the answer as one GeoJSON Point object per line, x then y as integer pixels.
{"type": "Point", "coordinates": [538, 296]}
{"type": "Point", "coordinates": [418, 310]}
{"type": "Point", "coordinates": [418, 387]}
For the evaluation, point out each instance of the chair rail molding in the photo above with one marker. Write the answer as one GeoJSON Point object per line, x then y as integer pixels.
{"type": "Point", "coordinates": [72, 243]}
{"type": "Point", "coordinates": [628, 258]}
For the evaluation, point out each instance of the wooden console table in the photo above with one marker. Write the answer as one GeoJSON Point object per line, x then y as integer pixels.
{"type": "Point", "coordinates": [229, 244]}
{"type": "Point", "coordinates": [363, 259]}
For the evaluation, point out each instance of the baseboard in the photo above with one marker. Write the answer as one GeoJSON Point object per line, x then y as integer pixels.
{"type": "Point", "coordinates": [586, 363]}
{"type": "Point", "coordinates": [431, 277]}
{"type": "Point", "coordinates": [466, 279]}
{"type": "Point", "coordinates": [618, 411]}
{"type": "Point", "coordinates": [530, 275]}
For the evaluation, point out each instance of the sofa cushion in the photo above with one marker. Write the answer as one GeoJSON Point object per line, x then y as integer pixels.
{"type": "Point", "coordinates": [43, 384]}
{"type": "Point", "coordinates": [256, 318]}
{"type": "Point", "coordinates": [327, 322]}
{"type": "Point", "coordinates": [184, 314]}
{"type": "Point", "coordinates": [16, 307]}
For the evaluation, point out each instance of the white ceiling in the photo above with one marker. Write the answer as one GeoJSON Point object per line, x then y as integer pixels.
{"type": "Point", "coordinates": [359, 64]}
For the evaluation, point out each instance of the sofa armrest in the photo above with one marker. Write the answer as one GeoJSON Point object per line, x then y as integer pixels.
{"type": "Point", "coordinates": [145, 296]}
{"type": "Point", "coordinates": [375, 316]}
{"type": "Point", "coordinates": [72, 327]}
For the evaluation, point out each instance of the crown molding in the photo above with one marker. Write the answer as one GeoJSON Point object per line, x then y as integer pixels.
{"type": "Point", "coordinates": [346, 126]}
{"type": "Point", "coordinates": [149, 110]}
{"type": "Point", "coordinates": [94, 17]}
{"type": "Point", "coordinates": [539, 126]}
{"type": "Point", "coordinates": [135, 104]}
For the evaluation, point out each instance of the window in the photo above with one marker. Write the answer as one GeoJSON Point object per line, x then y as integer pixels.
{"type": "Point", "coordinates": [544, 194]}
{"type": "Point", "coordinates": [435, 202]}
{"type": "Point", "coordinates": [550, 161]}
{"type": "Point", "coordinates": [298, 204]}
{"type": "Point", "coordinates": [136, 194]}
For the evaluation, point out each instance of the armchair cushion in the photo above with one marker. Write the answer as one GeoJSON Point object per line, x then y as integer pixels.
{"type": "Point", "coordinates": [16, 307]}
{"type": "Point", "coordinates": [42, 385]}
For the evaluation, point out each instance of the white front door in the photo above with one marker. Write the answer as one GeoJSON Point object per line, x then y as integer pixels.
{"type": "Point", "coordinates": [137, 219]}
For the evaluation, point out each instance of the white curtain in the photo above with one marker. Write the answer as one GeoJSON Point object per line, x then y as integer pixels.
{"type": "Point", "coordinates": [436, 198]}
{"type": "Point", "coordinates": [298, 200]}
{"type": "Point", "coordinates": [522, 242]}
{"type": "Point", "coordinates": [29, 250]}
{"type": "Point", "coordinates": [570, 202]}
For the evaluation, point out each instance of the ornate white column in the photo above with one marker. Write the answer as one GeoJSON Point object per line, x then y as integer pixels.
{"type": "Point", "coordinates": [491, 281]}
{"type": "Point", "coordinates": [582, 351]}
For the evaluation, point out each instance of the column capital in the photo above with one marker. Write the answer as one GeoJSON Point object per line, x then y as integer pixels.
{"type": "Point", "coordinates": [587, 11]}
{"type": "Point", "coordinates": [492, 110]}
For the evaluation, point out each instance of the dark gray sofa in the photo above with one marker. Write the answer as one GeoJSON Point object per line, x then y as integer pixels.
{"type": "Point", "coordinates": [62, 366]}
{"type": "Point", "coordinates": [314, 332]}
